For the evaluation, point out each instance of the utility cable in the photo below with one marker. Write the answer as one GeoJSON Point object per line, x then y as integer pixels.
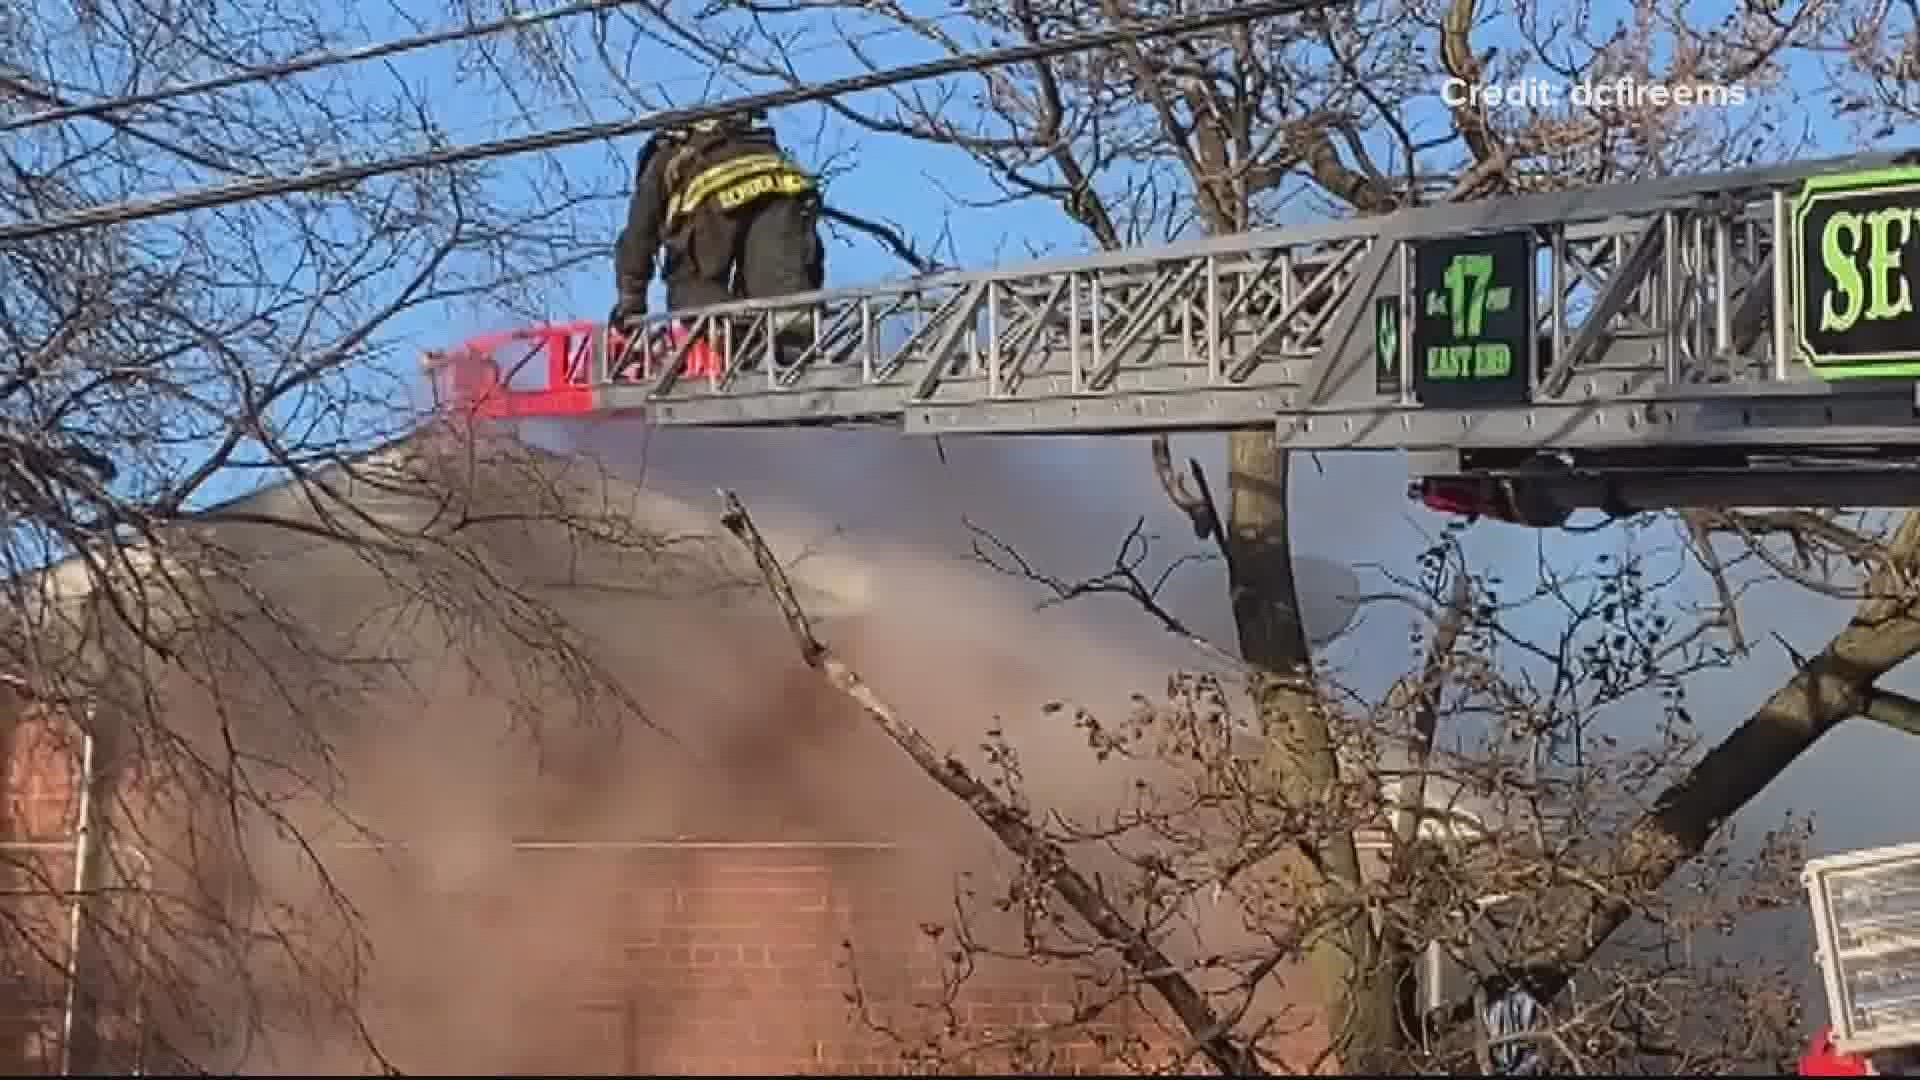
{"type": "Point", "coordinates": [576, 107]}
{"type": "Point", "coordinates": [301, 64]}
{"type": "Point", "coordinates": [62, 108]}
{"type": "Point", "coordinates": [335, 176]}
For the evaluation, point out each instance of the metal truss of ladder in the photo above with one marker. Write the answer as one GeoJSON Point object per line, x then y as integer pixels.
{"type": "Point", "coordinates": [1659, 320]}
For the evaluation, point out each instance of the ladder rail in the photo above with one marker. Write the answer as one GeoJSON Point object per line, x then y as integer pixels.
{"type": "Point", "coordinates": [1646, 291]}
{"type": "Point", "coordinates": [1604, 208]}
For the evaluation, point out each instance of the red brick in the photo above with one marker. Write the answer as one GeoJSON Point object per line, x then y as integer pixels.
{"type": "Point", "coordinates": [720, 960]}
{"type": "Point", "coordinates": [994, 1016]}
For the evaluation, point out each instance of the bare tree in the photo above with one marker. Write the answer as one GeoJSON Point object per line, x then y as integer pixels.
{"type": "Point", "coordinates": [152, 375]}
{"type": "Point", "coordinates": [1221, 132]}
{"type": "Point", "coordinates": [157, 368]}
{"type": "Point", "coordinates": [157, 373]}
{"type": "Point", "coordinates": [1482, 790]}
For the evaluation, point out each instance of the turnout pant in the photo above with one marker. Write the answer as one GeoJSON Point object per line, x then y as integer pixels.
{"type": "Point", "coordinates": [761, 251]}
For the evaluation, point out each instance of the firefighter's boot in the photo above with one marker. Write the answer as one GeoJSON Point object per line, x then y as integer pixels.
{"type": "Point", "coordinates": [792, 337]}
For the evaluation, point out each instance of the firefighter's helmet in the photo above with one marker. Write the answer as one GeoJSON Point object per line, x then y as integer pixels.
{"type": "Point", "coordinates": [744, 120]}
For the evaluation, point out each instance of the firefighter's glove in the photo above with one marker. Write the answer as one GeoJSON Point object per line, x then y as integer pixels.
{"type": "Point", "coordinates": [629, 317]}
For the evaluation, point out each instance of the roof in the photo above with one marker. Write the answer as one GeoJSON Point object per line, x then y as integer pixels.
{"type": "Point", "coordinates": [487, 495]}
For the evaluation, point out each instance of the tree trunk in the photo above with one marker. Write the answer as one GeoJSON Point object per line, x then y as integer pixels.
{"type": "Point", "coordinates": [1829, 688]}
{"type": "Point", "coordinates": [1360, 983]}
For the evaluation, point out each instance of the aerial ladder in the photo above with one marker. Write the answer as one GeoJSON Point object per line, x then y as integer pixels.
{"type": "Point", "coordinates": [1747, 338]}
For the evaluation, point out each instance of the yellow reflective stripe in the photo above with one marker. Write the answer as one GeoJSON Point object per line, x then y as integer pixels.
{"type": "Point", "coordinates": [703, 185]}
{"type": "Point", "coordinates": [784, 183]}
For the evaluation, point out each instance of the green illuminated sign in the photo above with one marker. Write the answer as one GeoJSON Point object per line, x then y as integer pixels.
{"type": "Point", "coordinates": [1473, 335]}
{"type": "Point", "coordinates": [1386, 346]}
{"type": "Point", "coordinates": [1854, 274]}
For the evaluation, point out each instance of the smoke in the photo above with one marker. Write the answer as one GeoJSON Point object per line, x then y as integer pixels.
{"type": "Point", "coordinates": [492, 957]}
{"type": "Point", "coordinates": [507, 870]}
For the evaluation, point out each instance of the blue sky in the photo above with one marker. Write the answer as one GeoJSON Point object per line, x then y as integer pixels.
{"type": "Point", "coordinates": [907, 183]}
{"type": "Point", "coordinates": [911, 184]}
{"type": "Point", "coordinates": [904, 182]}
{"type": "Point", "coordinates": [894, 179]}
{"type": "Point", "coordinates": [1857, 779]}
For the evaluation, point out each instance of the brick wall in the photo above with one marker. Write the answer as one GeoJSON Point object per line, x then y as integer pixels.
{"type": "Point", "coordinates": [37, 816]}
{"type": "Point", "coordinates": [41, 756]}
{"type": "Point", "coordinates": [740, 957]}
{"type": "Point", "coordinates": [722, 957]}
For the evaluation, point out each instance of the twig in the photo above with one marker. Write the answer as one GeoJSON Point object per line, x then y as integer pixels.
{"type": "Point", "coordinates": [1009, 824]}
{"type": "Point", "coordinates": [1198, 507]}
{"type": "Point", "coordinates": [1123, 580]}
{"type": "Point", "coordinates": [1421, 698]}
{"type": "Point", "coordinates": [887, 237]}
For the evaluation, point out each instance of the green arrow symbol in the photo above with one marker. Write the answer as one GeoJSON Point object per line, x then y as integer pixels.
{"type": "Point", "coordinates": [1387, 337]}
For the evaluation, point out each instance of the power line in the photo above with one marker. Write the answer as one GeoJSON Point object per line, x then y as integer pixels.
{"type": "Point", "coordinates": [302, 64]}
{"type": "Point", "coordinates": [102, 109]}
{"type": "Point", "coordinates": [660, 86]}
{"type": "Point", "coordinates": [246, 190]}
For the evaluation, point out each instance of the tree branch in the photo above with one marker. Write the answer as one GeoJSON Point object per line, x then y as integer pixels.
{"type": "Point", "coordinates": [1469, 117]}
{"type": "Point", "coordinates": [1700, 536]}
{"type": "Point", "coordinates": [887, 236]}
{"type": "Point", "coordinates": [1832, 686]}
{"type": "Point", "coordinates": [1196, 505]}
{"type": "Point", "coordinates": [1010, 825]}
{"type": "Point", "coordinates": [1896, 710]}
{"type": "Point", "coordinates": [1420, 699]}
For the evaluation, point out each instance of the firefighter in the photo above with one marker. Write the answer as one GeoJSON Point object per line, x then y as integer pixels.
{"type": "Point", "coordinates": [736, 217]}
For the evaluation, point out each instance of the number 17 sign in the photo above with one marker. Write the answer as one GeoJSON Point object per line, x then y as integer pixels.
{"type": "Point", "coordinates": [1473, 328]}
